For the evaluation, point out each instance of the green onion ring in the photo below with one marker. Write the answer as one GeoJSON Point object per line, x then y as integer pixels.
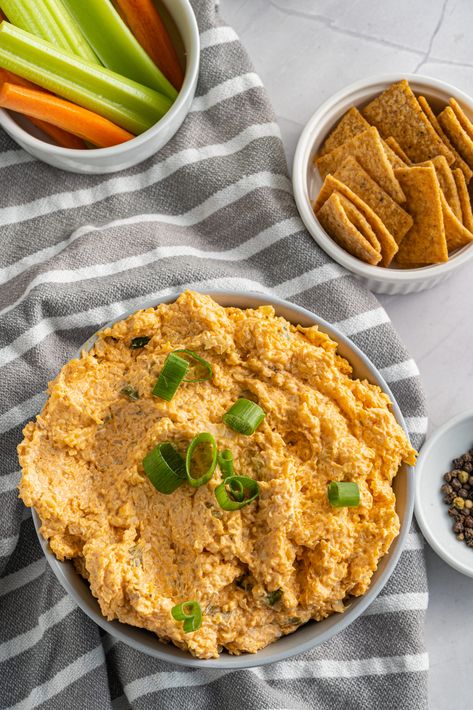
{"type": "Point", "coordinates": [200, 360]}
{"type": "Point", "coordinates": [274, 597]}
{"type": "Point", "coordinates": [343, 494]}
{"type": "Point", "coordinates": [165, 468]}
{"type": "Point", "coordinates": [203, 438]}
{"type": "Point", "coordinates": [130, 392]}
{"type": "Point", "coordinates": [244, 416]}
{"type": "Point", "coordinates": [171, 376]}
{"type": "Point", "coordinates": [231, 493]}
{"type": "Point", "coordinates": [190, 613]}
{"type": "Point", "coordinates": [140, 342]}
{"type": "Point", "coordinates": [225, 462]}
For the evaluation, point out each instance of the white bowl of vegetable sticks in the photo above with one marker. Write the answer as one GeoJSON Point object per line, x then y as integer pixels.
{"type": "Point", "coordinates": [311, 634]}
{"type": "Point", "coordinates": [86, 69]}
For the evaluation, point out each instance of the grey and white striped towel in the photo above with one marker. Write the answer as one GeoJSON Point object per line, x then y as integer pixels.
{"type": "Point", "coordinates": [213, 209]}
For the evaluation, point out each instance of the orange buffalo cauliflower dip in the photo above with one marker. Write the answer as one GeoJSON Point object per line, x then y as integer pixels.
{"type": "Point", "coordinates": [258, 572]}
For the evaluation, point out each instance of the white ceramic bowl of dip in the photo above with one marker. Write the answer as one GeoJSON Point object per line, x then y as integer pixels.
{"type": "Point", "coordinates": [119, 157]}
{"type": "Point", "coordinates": [311, 634]}
{"type": "Point", "coordinates": [449, 442]}
{"type": "Point", "coordinates": [307, 181]}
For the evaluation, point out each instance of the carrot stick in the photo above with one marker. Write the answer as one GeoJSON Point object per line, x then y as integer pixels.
{"type": "Point", "coordinates": [11, 78]}
{"type": "Point", "coordinates": [62, 138]}
{"type": "Point", "coordinates": [144, 21]}
{"type": "Point", "coordinates": [63, 114]}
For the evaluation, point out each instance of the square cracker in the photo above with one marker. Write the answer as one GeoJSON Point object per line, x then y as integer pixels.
{"type": "Point", "coordinates": [462, 189]}
{"type": "Point", "coordinates": [384, 237]}
{"type": "Point", "coordinates": [465, 122]}
{"type": "Point", "coordinates": [447, 183]}
{"type": "Point", "coordinates": [396, 112]}
{"type": "Point", "coordinates": [368, 150]}
{"type": "Point", "coordinates": [359, 221]}
{"type": "Point", "coordinates": [458, 162]}
{"type": "Point", "coordinates": [334, 219]}
{"type": "Point", "coordinates": [396, 148]}
{"type": "Point", "coordinates": [457, 135]}
{"type": "Point", "coordinates": [397, 220]}
{"type": "Point", "coordinates": [425, 242]}
{"type": "Point", "coordinates": [392, 156]}
{"type": "Point", "coordinates": [456, 234]}
{"type": "Point", "coordinates": [351, 123]}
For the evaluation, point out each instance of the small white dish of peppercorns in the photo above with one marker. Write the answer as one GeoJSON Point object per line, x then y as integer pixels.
{"type": "Point", "coordinates": [444, 492]}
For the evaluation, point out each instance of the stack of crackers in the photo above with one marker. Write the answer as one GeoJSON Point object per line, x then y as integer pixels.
{"type": "Point", "coordinates": [396, 177]}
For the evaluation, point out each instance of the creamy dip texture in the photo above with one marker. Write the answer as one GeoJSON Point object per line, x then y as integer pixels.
{"type": "Point", "coordinates": [260, 572]}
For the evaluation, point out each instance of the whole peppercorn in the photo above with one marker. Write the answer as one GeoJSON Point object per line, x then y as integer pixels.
{"type": "Point", "coordinates": [457, 493]}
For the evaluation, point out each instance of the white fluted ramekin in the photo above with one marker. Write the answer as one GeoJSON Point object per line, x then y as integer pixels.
{"type": "Point", "coordinates": [313, 633]}
{"type": "Point", "coordinates": [307, 182]}
{"type": "Point", "coordinates": [119, 157]}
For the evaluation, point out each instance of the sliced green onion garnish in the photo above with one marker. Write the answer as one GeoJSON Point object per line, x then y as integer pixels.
{"type": "Point", "coordinates": [244, 416]}
{"type": "Point", "coordinates": [140, 342]}
{"type": "Point", "coordinates": [165, 468]}
{"type": "Point", "coordinates": [201, 455]}
{"type": "Point", "coordinates": [200, 360]}
{"type": "Point", "coordinates": [190, 613]}
{"type": "Point", "coordinates": [274, 597]}
{"type": "Point", "coordinates": [130, 392]}
{"type": "Point", "coordinates": [236, 491]}
{"type": "Point", "coordinates": [171, 376]}
{"type": "Point", "coordinates": [345, 494]}
{"type": "Point", "coordinates": [225, 461]}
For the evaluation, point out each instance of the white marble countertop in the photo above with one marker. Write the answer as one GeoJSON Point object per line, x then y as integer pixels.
{"type": "Point", "coordinates": [305, 50]}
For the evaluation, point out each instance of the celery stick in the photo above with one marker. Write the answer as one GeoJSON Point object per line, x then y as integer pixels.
{"type": "Point", "coordinates": [115, 45]}
{"type": "Point", "coordinates": [51, 21]}
{"type": "Point", "coordinates": [71, 32]}
{"type": "Point", "coordinates": [123, 101]}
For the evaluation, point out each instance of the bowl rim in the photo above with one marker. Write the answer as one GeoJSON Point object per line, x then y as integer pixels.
{"type": "Point", "coordinates": [302, 197]}
{"type": "Point", "coordinates": [421, 517]}
{"type": "Point", "coordinates": [249, 660]}
{"type": "Point", "coordinates": [190, 77]}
